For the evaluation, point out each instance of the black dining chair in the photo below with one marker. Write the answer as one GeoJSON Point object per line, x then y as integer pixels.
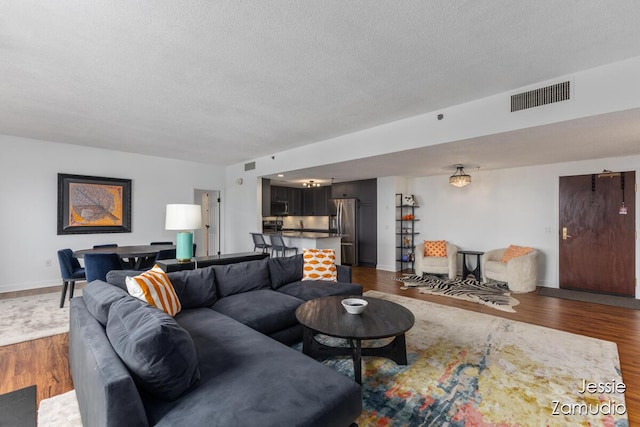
{"type": "Point", "coordinates": [98, 265]}
{"type": "Point", "coordinates": [108, 245]}
{"type": "Point", "coordinates": [166, 254]}
{"type": "Point", "coordinates": [71, 271]}
{"type": "Point", "coordinates": [278, 245]}
{"type": "Point", "coordinates": [259, 242]}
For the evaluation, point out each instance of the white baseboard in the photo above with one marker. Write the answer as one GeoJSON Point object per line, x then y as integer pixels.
{"type": "Point", "coordinates": [13, 287]}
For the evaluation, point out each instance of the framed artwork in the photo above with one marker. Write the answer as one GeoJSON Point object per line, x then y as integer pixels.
{"type": "Point", "coordinates": [92, 204]}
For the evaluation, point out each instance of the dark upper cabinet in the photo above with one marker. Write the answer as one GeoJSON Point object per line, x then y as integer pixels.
{"type": "Point", "coordinates": [364, 190]}
{"type": "Point", "coordinates": [293, 196]}
{"type": "Point", "coordinates": [278, 194]}
{"type": "Point", "coordinates": [323, 195]}
{"type": "Point", "coordinates": [367, 190]}
{"type": "Point", "coordinates": [344, 190]}
{"type": "Point", "coordinates": [266, 197]}
{"type": "Point", "coordinates": [315, 201]}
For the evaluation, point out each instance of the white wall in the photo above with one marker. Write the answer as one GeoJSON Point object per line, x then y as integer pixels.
{"type": "Point", "coordinates": [600, 90]}
{"type": "Point", "coordinates": [387, 239]}
{"type": "Point", "coordinates": [28, 202]}
{"type": "Point", "coordinates": [509, 206]}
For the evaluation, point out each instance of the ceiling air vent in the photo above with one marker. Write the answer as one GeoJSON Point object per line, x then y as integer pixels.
{"type": "Point", "coordinates": [249, 166]}
{"type": "Point", "coordinates": [543, 96]}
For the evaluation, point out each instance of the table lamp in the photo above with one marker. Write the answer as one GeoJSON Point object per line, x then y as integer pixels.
{"type": "Point", "coordinates": [183, 218]}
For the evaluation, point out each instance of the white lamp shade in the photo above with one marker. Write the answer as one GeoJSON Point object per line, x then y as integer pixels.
{"type": "Point", "coordinates": [183, 217]}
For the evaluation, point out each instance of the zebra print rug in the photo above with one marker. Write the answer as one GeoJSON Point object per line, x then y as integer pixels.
{"type": "Point", "coordinates": [494, 294]}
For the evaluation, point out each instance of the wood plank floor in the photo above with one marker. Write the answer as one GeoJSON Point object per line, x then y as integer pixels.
{"type": "Point", "coordinates": [45, 362]}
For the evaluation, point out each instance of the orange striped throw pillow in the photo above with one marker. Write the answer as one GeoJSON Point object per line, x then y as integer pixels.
{"type": "Point", "coordinates": [154, 287]}
{"type": "Point", "coordinates": [319, 264]}
{"type": "Point", "coordinates": [435, 248]}
{"type": "Point", "coordinates": [514, 251]}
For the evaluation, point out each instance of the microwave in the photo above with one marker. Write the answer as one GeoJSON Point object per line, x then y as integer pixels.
{"type": "Point", "coordinates": [279, 208]}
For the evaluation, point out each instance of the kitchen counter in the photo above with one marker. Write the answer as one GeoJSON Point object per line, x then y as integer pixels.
{"type": "Point", "coordinates": [305, 234]}
{"type": "Point", "coordinates": [312, 240]}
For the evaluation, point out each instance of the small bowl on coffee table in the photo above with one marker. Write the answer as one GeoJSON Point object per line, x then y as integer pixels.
{"type": "Point", "coordinates": [354, 305]}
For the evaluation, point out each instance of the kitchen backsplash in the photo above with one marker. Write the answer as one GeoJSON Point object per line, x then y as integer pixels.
{"type": "Point", "coordinates": [309, 222]}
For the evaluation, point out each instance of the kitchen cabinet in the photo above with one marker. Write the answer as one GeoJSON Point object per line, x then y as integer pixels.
{"type": "Point", "coordinates": [344, 190]}
{"type": "Point", "coordinates": [315, 201]}
{"type": "Point", "coordinates": [368, 234]}
{"type": "Point", "coordinates": [365, 190]}
{"type": "Point", "coordinates": [293, 196]}
{"type": "Point", "coordinates": [278, 194]}
{"type": "Point", "coordinates": [266, 197]}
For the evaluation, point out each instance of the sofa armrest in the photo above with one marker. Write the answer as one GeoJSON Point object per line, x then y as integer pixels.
{"type": "Point", "coordinates": [344, 273]}
{"type": "Point", "coordinates": [452, 256]}
{"type": "Point", "coordinates": [525, 265]}
{"type": "Point", "coordinates": [106, 392]}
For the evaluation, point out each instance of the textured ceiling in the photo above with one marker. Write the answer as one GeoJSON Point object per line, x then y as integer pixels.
{"type": "Point", "coordinates": [228, 81]}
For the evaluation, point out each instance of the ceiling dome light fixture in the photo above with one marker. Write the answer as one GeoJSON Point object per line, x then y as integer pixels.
{"type": "Point", "coordinates": [310, 184]}
{"type": "Point", "coordinates": [459, 178]}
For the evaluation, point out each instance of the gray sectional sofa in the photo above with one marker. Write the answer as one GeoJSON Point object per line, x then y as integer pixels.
{"type": "Point", "coordinates": [224, 359]}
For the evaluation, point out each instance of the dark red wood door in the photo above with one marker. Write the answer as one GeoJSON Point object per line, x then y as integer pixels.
{"type": "Point", "coordinates": [597, 240]}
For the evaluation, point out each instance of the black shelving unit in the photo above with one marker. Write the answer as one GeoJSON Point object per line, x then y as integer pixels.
{"type": "Point", "coordinates": [405, 233]}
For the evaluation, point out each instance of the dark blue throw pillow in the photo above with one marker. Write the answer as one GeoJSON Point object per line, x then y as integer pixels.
{"type": "Point", "coordinates": [285, 270]}
{"type": "Point", "coordinates": [159, 353]}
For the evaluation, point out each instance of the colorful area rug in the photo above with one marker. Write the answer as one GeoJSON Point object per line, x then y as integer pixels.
{"type": "Point", "coordinates": [473, 369]}
{"type": "Point", "coordinates": [31, 317]}
{"type": "Point", "coordinates": [494, 294]}
{"type": "Point", "coordinates": [470, 369]}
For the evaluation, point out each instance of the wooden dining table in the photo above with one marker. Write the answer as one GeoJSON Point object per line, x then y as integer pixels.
{"type": "Point", "coordinates": [134, 255]}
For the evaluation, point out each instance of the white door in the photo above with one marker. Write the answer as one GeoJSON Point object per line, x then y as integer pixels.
{"type": "Point", "coordinates": [208, 238]}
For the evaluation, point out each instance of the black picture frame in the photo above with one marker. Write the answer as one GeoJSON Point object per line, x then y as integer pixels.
{"type": "Point", "coordinates": [93, 204]}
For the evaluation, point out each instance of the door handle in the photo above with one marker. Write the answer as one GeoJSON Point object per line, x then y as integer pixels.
{"type": "Point", "coordinates": [565, 234]}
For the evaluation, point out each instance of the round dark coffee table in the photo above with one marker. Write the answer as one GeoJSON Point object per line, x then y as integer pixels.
{"type": "Point", "coordinates": [381, 319]}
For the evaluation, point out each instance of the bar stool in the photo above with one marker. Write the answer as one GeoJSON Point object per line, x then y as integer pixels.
{"type": "Point", "coordinates": [278, 245]}
{"type": "Point", "coordinates": [259, 242]}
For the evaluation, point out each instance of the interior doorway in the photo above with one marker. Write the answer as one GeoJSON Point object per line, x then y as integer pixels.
{"type": "Point", "coordinates": [597, 232]}
{"type": "Point", "coordinates": [208, 239]}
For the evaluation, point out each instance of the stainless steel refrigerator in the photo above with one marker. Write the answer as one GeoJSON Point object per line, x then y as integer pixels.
{"type": "Point", "coordinates": [343, 218]}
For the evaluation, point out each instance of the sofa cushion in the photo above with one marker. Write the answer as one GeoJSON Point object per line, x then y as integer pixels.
{"type": "Point", "coordinates": [159, 353]}
{"type": "Point", "coordinates": [251, 380]}
{"type": "Point", "coordinates": [98, 297]}
{"type": "Point", "coordinates": [285, 270]}
{"type": "Point", "coordinates": [264, 310]}
{"type": "Point", "coordinates": [154, 287]}
{"type": "Point", "coordinates": [195, 288]}
{"type": "Point", "coordinates": [242, 277]}
{"type": "Point", "coordinates": [319, 264]}
{"type": "Point", "coordinates": [119, 277]}
{"type": "Point", "coordinates": [307, 290]}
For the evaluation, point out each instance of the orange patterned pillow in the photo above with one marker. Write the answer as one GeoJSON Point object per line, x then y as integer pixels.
{"type": "Point", "coordinates": [319, 264]}
{"type": "Point", "coordinates": [154, 287]}
{"type": "Point", "coordinates": [435, 248]}
{"type": "Point", "coordinates": [514, 251]}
